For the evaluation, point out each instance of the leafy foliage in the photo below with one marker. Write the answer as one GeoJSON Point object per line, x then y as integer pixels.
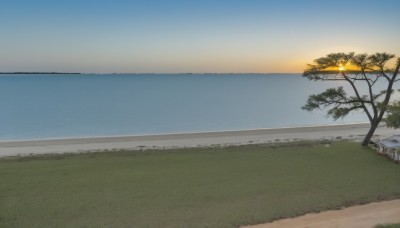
{"type": "Point", "coordinates": [355, 65]}
{"type": "Point", "coordinates": [336, 97]}
{"type": "Point", "coordinates": [393, 117]}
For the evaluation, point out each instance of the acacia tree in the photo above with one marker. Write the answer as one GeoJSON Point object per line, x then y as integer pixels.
{"type": "Point", "coordinates": [359, 71]}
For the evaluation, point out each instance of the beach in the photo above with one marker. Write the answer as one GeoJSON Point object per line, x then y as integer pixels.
{"type": "Point", "coordinates": [189, 140]}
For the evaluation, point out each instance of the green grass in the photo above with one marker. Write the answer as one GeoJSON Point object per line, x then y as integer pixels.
{"type": "Point", "coordinates": [396, 225]}
{"type": "Point", "coordinates": [203, 187]}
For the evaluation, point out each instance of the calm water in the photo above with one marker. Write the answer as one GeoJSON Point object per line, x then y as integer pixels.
{"type": "Point", "coordinates": [54, 106]}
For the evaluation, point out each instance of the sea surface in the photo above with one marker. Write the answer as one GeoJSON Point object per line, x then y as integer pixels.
{"type": "Point", "coordinates": [63, 106]}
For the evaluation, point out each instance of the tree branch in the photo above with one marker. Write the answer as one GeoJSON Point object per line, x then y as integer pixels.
{"type": "Point", "coordinates": [358, 96]}
{"type": "Point", "coordinates": [371, 96]}
{"type": "Point", "coordinates": [388, 93]}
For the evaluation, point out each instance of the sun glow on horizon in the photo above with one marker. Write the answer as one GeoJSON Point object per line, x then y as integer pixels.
{"type": "Point", "coordinates": [189, 36]}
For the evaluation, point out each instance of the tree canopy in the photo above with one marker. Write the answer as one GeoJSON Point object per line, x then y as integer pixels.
{"type": "Point", "coordinates": [358, 70]}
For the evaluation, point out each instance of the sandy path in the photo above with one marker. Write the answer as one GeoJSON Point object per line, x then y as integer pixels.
{"type": "Point", "coordinates": [74, 145]}
{"type": "Point", "coordinates": [363, 216]}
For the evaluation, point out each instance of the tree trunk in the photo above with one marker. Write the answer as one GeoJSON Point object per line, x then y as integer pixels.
{"type": "Point", "coordinates": [369, 135]}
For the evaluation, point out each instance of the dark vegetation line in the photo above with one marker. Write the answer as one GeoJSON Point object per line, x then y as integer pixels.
{"type": "Point", "coordinates": [38, 73]}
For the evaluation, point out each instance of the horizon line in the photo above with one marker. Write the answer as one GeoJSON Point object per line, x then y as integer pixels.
{"type": "Point", "coordinates": [188, 73]}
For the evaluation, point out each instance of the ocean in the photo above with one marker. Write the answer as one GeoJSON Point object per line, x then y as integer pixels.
{"type": "Point", "coordinates": [91, 105]}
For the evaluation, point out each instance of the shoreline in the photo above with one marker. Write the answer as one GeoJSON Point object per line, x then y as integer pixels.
{"type": "Point", "coordinates": [353, 131]}
{"type": "Point", "coordinates": [177, 133]}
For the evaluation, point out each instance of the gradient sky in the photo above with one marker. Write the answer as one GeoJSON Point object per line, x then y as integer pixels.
{"type": "Point", "coordinates": [169, 36]}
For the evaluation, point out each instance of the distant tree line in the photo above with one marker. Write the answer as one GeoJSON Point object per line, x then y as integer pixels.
{"type": "Point", "coordinates": [38, 73]}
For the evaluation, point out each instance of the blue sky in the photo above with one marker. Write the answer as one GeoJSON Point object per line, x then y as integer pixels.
{"type": "Point", "coordinates": [190, 36]}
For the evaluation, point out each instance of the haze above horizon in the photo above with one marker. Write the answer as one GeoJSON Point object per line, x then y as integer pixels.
{"type": "Point", "coordinates": [175, 36]}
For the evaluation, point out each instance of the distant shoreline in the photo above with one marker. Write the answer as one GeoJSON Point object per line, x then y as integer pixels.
{"type": "Point", "coordinates": [142, 73]}
{"type": "Point", "coordinates": [39, 73]}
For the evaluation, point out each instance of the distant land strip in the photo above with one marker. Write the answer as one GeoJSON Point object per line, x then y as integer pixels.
{"type": "Point", "coordinates": [148, 73]}
{"type": "Point", "coordinates": [38, 73]}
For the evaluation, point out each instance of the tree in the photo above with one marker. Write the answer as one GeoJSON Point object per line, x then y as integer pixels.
{"type": "Point", "coordinates": [359, 71]}
{"type": "Point", "coordinates": [393, 115]}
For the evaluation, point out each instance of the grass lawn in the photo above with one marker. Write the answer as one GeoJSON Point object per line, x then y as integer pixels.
{"type": "Point", "coordinates": [396, 225]}
{"type": "Point", "coordinates": [209, 187]}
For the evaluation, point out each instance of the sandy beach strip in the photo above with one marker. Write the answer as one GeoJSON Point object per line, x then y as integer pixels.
{"type": "Point", "coordinates": [361, 216]}
{"type": "Point", "coordinates": [179, 140]}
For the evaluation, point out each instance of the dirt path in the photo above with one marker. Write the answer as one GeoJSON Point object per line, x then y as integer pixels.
{"type": "Point", "coordinates": [363, 216]}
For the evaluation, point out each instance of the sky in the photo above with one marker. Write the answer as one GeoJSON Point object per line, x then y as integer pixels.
{"type": "Point", "coordinates": [176, 36]}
